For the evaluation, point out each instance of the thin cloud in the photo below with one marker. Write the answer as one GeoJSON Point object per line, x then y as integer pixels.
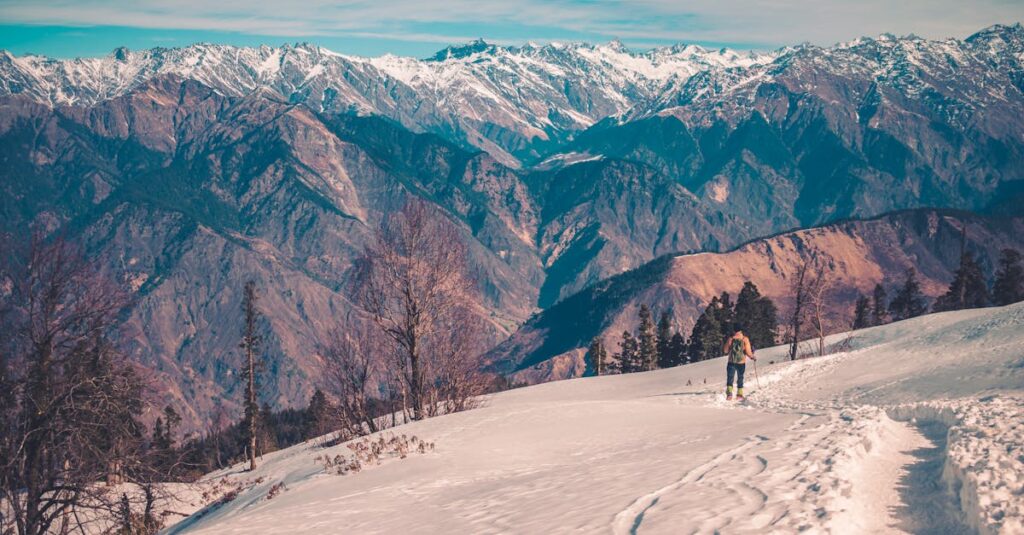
{"type": "Point", "coordinates": [756, 22]}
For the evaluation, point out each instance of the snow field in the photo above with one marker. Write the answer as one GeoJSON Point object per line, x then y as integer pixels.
{"type": "Point", "coordinates": [917, 427]}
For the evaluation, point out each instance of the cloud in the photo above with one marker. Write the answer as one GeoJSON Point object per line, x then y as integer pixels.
{"type": "Point", "coordinates": [754, 22]}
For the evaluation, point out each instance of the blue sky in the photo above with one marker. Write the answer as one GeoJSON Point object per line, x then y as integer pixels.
{"type": "Point", "coordinates": [69, 28]}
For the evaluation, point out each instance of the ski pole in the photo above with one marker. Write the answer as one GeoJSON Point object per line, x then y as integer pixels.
{"type": "Point", "coordinates": [756, 377]}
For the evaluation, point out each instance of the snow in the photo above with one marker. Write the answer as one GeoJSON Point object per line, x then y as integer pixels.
{"type": "Point", "coordinates": [914, 426]}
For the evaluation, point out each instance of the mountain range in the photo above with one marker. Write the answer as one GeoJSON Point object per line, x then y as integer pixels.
{"type": "Point", "coordinates": [186, 171]}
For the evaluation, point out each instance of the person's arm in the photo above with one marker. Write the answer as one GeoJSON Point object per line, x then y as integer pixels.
{"type": "Point", "coordinates": [726, 347]}
{"type": "Point", "coordinates": [747, 348]}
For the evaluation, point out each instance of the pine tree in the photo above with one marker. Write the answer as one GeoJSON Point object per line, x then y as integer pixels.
{"type": "Point", "coordinates": [707, 337]}
{"type": "Point", "coordinates": [968, 289]}
{"type": "Point", "coordinates": [647, 340]}
{"type": "Point", "coordinates": [757, 316]}
{"type": "Point", "coordinates": [665, 340]}
{"type": "Point", "coordinates": [629, 353]}
{"type": "Point", "coordinates": [879, 306]}
{"type": "Point", "coordinates": [908, 301]}
{"type": "Point", "coordinates": [596, 356]}
{"type": "Point", "coordinates": [862, 313]}
{"type": "Point", "coordinates": [1009, 285]}
{"type": "Point", "coordinates": [317, 416]}
{"type": "Point", "coordinates": [726, 312]}
{"type": "Point", "coordinates": [251, 342]}
{"type": "Point", "coordinates": [677, 350]}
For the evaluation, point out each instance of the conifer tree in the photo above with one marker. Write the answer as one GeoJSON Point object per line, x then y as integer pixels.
{"type": "Point", "coordinates": [757, 315]}
{"type": "Point", "coordinates": [879, 305]}
{"type": "Point", "coordinates": [968, 289]}
{"type": "Point", "coordinates": [629, 353]}
{"type": "Point", "coordinates": [707, 338]}
{"type": "Point", "coordinates": [317, 416]}
{"type": "Point", "coordinates": [665, 340]}
{"type": "Point", "coordinates": [596, 356]}
{"type": "Point", "coordinates": [647, 345]}
{"type": "Point", "coordinates": [251, 342]}
{"type": "Point", "coordinates": [677, 350]}
{"type": "Point", "coordinates": [862, 313]}
{"type": "Point", "coordinates": [1009, 284]}
{"type": "Point", "coordinates": [909, 301]}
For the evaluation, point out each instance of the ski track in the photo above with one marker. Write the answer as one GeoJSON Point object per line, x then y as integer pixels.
{"type": "Point", "coordinates": [839, 468]}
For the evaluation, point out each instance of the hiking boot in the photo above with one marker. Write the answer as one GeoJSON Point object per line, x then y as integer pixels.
{"type": "Point", "coordinates": [728, 397]}
{"type": "Point", "coordinates": [741, 398]}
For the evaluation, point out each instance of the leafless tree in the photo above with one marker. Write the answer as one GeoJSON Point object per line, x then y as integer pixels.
{"type": "Point", "coordinates": [809, 290]}
{"type": "Point", "coordinates": [798, 291]}
{"type": "Point", "coordinates": [69, 414]}
{"type": "Point", "coordinates": [251, 342]}
{"type": "Point", "coordinates": [818, 287]}
{"type": "Point", "coordinates": [412, 280]}
{"type": "Point", "coordinates": [349, 366]}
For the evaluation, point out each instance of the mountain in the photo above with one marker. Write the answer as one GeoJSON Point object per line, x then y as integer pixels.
{"type": "Point", "coordinates": [508, 101]}
{"type": "Point", "coordinates": [858, 253]}
{"type": "Point", "coordinates": [186, 171]}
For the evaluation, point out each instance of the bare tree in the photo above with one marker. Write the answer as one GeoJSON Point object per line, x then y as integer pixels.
{"type": "Point", "coordinates": [798, 291]}
{"type": "Point", "coordinates": [348, 369]}
{"type": "Point", "coordinates": [810, 293]}
{"type": "Point", "coordinates": [251, 342]}
{"type": "Point", "coordinates": [818, 286]}
{"type": "Point", "coordinates": [413, 281]}
{"type": "Point", "coordinates": [70, 412]}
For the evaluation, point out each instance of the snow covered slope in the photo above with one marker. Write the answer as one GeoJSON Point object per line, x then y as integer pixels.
{"type": "Point", "coordinates": [918, 427]}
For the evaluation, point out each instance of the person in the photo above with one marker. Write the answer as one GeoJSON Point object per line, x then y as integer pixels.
{"type": "Point", "coordinates": [737, 348]}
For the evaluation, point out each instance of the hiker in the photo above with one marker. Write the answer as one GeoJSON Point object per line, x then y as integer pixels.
{"type": "Point", "coordinates": [738, 349]}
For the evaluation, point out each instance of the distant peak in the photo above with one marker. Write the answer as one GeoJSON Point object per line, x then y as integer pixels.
{"type": "Point", "coordinates": [120, 53]}
{"type": "Point", "coordinates": [617, 45]}
{"type": "Point", "coordinates": [1004, 31]}
{"type": "Point", "coordinates": [463, 51]}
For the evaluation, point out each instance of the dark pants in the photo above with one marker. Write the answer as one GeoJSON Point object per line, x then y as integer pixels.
{"type": "Point", "coordinates": [735, 369]}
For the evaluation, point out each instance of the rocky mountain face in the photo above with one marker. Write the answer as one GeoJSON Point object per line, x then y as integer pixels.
{"type": "Point", "coordinates": [858, 254]}
{"type": "Point", "coordinates": [187, 171]}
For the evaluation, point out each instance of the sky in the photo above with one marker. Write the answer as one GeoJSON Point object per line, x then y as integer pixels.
{"type": "Point", "coordinates": [79, 28]}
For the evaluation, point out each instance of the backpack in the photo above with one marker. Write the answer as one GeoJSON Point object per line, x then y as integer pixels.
{"type": "Point", "coordinates": [736, 353]}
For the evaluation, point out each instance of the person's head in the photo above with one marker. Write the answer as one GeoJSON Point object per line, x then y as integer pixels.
{"type": "Point", "coordinates": [737, 328]}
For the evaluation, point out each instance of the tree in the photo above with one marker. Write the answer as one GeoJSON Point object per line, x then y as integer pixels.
{"type": "Point", "coordinates": [862, 313]}
{"type": "Point", "coordinates": [413, 281]}
{"type": "Point", "coordinates": [647, 340]}
{"type": "Point", "coordinates": [967, 290]}
{"type": "Point", "coordinates": [677, 351]}
{"type": "Point", "coordinates": [596, 356]}
{"type": "Point", "coordinates": [665, 359]}
{"type": "Point", "coordinates": [70, 400]}
{"type": "Point", "coordinates": [879, 306]}
{"type": "Point", "coordinates": [629, 353]}
{"type": "Point", "coordinates": [798, 288]}
{"type": "Point", "coordinates": [818, 299]}
{"type": "Point", "coordinates": [909, 301]}
{"type": "Point", "coordinates": [347, 369]}
{"type": "Point", "coordinates": [757, 315]}
{"type": "Point", "coordinates": [707, 337]}
{"type": "Point", "coordinates": [1009, 284]}
{"type": "Point", "coordinates": [250, 345]}
{"type": "Point", "coordinates": [318, 416]}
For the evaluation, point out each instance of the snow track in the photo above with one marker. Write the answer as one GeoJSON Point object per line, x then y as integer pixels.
{"type": "Point", "coordinates": [918, 428]}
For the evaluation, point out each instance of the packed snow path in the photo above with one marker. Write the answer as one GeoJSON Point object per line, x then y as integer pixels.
{"type": "Point", "coordinates": [918, 427]}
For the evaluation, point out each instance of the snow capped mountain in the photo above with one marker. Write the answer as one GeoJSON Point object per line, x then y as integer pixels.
{"type": "Point", "coordinates": [500, 99]}
{"type": "Point", "coordinates": [517, 103]}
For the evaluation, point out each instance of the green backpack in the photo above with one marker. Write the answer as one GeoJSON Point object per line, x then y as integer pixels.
{"type": "Point", "coordinates": [736, 353]}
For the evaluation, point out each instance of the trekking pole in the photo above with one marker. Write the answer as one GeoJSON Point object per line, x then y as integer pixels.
{"type": "Point", "coordinates": [756, 377]}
